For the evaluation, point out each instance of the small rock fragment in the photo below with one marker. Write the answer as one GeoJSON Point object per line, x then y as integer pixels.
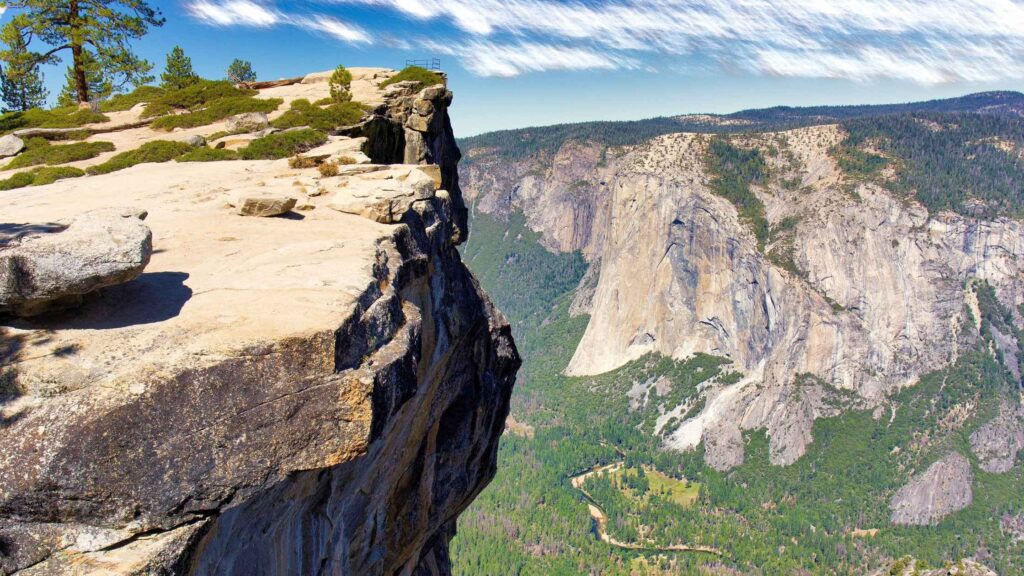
{"type": "Point", "coordinates": [263, 205]}
{"type": "Point", "coordinates": [248, 122]}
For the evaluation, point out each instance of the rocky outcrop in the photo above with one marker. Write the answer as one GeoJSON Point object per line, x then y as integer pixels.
{"type": "Point", "coordinates": [872, 297]}
{"type": "Point", "coordinates": [321, 394]}
{"type": "Point", "coordinates": [997, 443]}
{"type": "Point", "coordinates": [50, 267]}
{"type": "Point", "coordinates": [944, 488]}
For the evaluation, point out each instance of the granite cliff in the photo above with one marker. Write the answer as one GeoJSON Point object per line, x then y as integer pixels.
{"type": "Point", "coordinates": [320, 392]}
{"type": "Point", "coordinates": [858, 292]}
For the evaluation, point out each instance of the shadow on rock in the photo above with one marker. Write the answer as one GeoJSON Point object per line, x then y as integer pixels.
{"type": "Point", "coordinates": [152, 297]}
{"type": "Point", "coordinates": [12, 233]}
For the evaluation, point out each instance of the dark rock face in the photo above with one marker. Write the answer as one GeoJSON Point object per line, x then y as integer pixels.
{"type": "Point", "coordinates": [438, 411]}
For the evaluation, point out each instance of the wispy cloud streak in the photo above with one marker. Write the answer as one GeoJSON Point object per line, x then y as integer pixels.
{"type": "Point", "coordinates": [927, 41]}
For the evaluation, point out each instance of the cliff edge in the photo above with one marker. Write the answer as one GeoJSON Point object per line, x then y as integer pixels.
{"type": "Point", "coordinates": [320, 392]}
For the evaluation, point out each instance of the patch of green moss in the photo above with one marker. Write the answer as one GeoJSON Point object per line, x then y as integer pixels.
{"type": "Point", "coordinates": [40, 151]}
{"type": "Point", "coordinates": [156, 151]}
{"type": "Point", "coordinates": [416, 74]}
{"type": "Point", "coordinates": [283, 144]}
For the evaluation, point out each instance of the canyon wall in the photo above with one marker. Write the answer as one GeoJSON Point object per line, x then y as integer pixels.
{"type": "Point", "coordinates": [875, 293]}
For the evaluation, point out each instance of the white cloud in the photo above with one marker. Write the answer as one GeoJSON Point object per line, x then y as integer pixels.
{"type": "Point", "coordinates": [928, 41]}
{"type": "Point", "coordinates": [262, 15]}
{"type": "Point", "coordinates": [489, 59]}
{"type": "Point", "coordinates": [234, 13]}
{"type": "Point", "coordinates": [333, 27]}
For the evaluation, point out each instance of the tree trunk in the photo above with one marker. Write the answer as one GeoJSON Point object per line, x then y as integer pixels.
{"type": "Point", "coordinates": [78, 63]}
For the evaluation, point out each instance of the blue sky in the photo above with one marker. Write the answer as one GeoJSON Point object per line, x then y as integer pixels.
{"type": "Point", "coordinates": [516, 63]}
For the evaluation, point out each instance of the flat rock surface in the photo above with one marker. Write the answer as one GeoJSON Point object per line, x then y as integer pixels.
{"type": "Point", "coordinates": [226, 281]}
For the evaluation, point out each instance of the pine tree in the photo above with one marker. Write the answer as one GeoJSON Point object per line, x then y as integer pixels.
{"type": "Point", "coordinates": [100, 29]}
{"type": "Point", "coordinates": [21, 84]}
{"type": "Point", "coordinates": [340, 82]}
{"type": "Point", "coordinates": [178, 73]}
{"type": "Point", "coordinates": [98, 84]}
{"type": "Point", "coordinates": [241, 71]}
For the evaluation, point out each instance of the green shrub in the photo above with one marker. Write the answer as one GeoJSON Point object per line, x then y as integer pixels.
{"type": "Point", "coordinates": [122, 102]}
{"type": "Point", "coordinates": [194, 97]}
{"type": "Point", "coordinates": [51, 174]}
{"type": "Point", "coordinates": [205, 154]}
{"type": "Point", "coordinates": [58, 118]}
{"type": "Point", "coordinates": [416, 74]}
{"type": "Point", "coordinates": [156, 151]}
{"type": "Point", "coordinates": [283, 144]}
{"type": "Point", "coordinates": [40, 176]}
{"type": "Point", "coordinates": [19, 180]}
{"type": "Point", "coordinates": [216, 111]}
{"type": "Point", "coordinates": [302, 113]}
{"type": "Point", "coordinates": [40, 151]}
{"type": "Point", "coordinates": [340, 84]}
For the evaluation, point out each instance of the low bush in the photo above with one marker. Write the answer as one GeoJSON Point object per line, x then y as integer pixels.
{"type": "Point", "coordinates": [283, 144]}
{"type": "Point", "coordinates": [302, 162]}
{"type": "Point", "coordinates": [217, 110]}
{"type": "Point", "coordinates": [416, 74]}
{"type": "Point", "coordinates": [193, 97]}
{"type": "Point", "coordinates": [19, 180]}
{"type": "Point", "coordinates": [69, 117]}
{"type": "Point", "coordinates": [51, 174]}
{"type": "Point", "coordinates": [40, 151]}
{"type": "Point", "coordinates": [40, 176]}
{"type": "Point", "coordinates": [205, 154]}
{"type": "Point", "coordinates": [121, 102]}
{"type": "Point", "coordinates": [155, 151]}
{"type": "Point", "coordinates": [302, 113]}
{"type": "Point", "coordinates": [328, 169]}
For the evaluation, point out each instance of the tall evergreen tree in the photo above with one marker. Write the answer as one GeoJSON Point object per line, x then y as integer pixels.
{"type": "Point", "coordinates": [178, 73]}
{"type": "Point", "coordinates": [101, 29]}
{"type": "Point", "coordinates": [98, 84]}
{"type": "Point", "coordinates": [241, 71]}
{"type": "Point", "coordinates": [21, 84]}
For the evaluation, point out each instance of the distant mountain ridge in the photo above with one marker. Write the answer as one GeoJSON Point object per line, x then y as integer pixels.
{"type": "Point", "coordinates": [521, 142]}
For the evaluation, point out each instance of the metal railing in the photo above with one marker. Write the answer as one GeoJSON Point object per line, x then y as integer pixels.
{"type": "Point", "coordinates": [432, 64]}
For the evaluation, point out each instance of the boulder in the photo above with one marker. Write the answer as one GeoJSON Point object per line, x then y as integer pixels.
{"type": "Point", "coordinates": [11, 145]}
{"type": "Point", "coordinates": [55, 267]}
{"type": "Point", "coordinates": [944, 488]}
{"type": "Point", "coordinates": [195, 141]}
{"type": "Point", "coordinates": [248, 122]}
{"type": "Point", "coordinates": [263, 205]}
